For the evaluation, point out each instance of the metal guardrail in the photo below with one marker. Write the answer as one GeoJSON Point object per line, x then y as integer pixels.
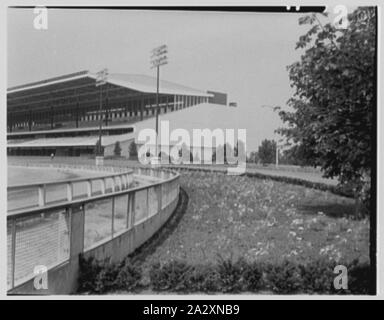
{"type": "Point", "coordinates": [43, 235]}
{"type": "Point", "coordinates": [119, 181]}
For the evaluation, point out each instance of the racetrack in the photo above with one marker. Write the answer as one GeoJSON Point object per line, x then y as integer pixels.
{"type": "Point", "coordinates": [19, 175]}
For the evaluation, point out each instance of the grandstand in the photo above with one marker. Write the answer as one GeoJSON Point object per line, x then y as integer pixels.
{"type": "Point", "coordinates": [61, 115]}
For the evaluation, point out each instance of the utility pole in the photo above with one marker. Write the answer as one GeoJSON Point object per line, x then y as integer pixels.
{"type": "Point", "coordinates": [276, 140]}
{"type": "Point", "coordinates": [101, 79]}
{"type": "Point", "coordinates": [158, 58]}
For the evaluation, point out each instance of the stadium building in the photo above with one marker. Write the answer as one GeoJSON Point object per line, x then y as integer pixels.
{"type": "Point", "coordinates": [62, 115]}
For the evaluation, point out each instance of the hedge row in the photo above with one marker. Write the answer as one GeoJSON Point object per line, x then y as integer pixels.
{"type": "Point", "coordinates": [225, 276]}
{"type": "Point", "coordinates": [344, 190]}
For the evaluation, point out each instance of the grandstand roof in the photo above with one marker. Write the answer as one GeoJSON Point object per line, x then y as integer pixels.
{"type": "Point", "coordinates": [137, 82]}
{"type": "Point", "coordinates": [148, 84]}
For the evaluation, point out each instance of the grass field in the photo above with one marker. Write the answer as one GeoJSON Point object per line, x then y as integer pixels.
{"type": "Point", "coordinates": [235, 216]}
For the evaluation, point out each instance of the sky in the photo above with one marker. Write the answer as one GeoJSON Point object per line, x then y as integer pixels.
{"type": "Point", "coordinates": [242, 54]}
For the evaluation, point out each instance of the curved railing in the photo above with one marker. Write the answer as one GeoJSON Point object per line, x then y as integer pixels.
{"type": "Point", "coordinates": [110, 224]}
{"type": "Point", "coordinates": [42, 194]}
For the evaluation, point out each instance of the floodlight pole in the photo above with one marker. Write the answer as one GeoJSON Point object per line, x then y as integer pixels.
{"type": "Point", "coordinates": [157, 111]}
{"type": "Point", "coordinates": [100, 121]}
{"type": "Point", "coordinates": [158, 59]}
{"type": "Point", "coordinates": [100, 81]}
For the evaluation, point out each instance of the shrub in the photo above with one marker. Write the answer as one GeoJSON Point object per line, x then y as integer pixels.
{"type": "Point", "coordinates": [204, 278]}
{"type": "Point", "coordinates": [360, 278]}
{"type": "Point", "coordinates": [172, 276]}
{"type": "Point", "coordinates": [317, 277]}
{"type": "Point", "coordinates": [231, 275]}
{"type": "Point", "coordinates": [225, 276]}
{"type": "Point", "coordinates": [105, 279]}
{"type": "Point", "coordinates": [284, 278]}
{"type": "Point", "coordinates": [132, 150]}
{"type": "Point", "coordinates": [253, 277]}
{"type": "Point", "coordinates": [129, 277]}
{"type": "Point", "coordinates": [104, 276]}
{"type": "Point", "coordinates": [89, 269]}
{"type": "Point", "coordinates": [117, 149]}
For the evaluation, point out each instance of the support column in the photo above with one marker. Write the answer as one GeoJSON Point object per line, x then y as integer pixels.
{"type": "Point", "coordinates": [77, 112]}
{"type": "Point", "coordinates": [30, 120]}
{"type": "Point", "coordinates": [52, 117]}
{"type": "Point", "coordinates": [10, 122]}
{"type": "Point", "coordinates": [106, 107]}
{"type": "Point", "coordinates": [141, 108]}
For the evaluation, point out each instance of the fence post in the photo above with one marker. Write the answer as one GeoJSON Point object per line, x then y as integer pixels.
{"type": "Point", "coordinates": [133, 209]}
{"type": "Point", "coordinates": [102, 184]}
{"type": "Point", "coordinates": [123, 182]}
{"type": "Point", "coordinates": [13, 252]}
{"type": "Point", "coordinates": [147, 203]}
{"type": "Point", "coordinates": [69, 191]}
{"type": "Point", "coordinates": [128, 222]}
{"type": "Point", "coordinates": [89, 188]}
{"type": "Point", "coordinates": [113, 216]}
{"type": "Point", "coordinates": [159, 198]}
{"type": "Point", "coordinates": [41, 191]}
{"type": "Point", "coordinates": [64, 218]}
{"type": "Point", "coordinates": [76, 236]}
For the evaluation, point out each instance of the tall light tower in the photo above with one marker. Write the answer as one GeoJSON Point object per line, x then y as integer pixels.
{"type": "Point", "coordinates": [158, 58]}
{"type": "Point", "coordinates": [101, 79]}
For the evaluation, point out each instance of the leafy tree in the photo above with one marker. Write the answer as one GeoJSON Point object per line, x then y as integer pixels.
{"type": "Point", "coordinates": [253, 157]}
{"type": "Point", "coordinates": [132, 150]}
{"type": "Point", "coordinates": [164, 157]}
{"type": "Point", "coordinates": [335, 96]}
{"type": "Point", "coordinates": [267, 151]}
{"type": "Point", "coordinates": [185, 154]}
{"type": "Point", "coordinates": [296, 155]}
{"type": "Point", "coordinates": [117, 149]}
{"type": "Point", "coordinates": [223, 154]}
